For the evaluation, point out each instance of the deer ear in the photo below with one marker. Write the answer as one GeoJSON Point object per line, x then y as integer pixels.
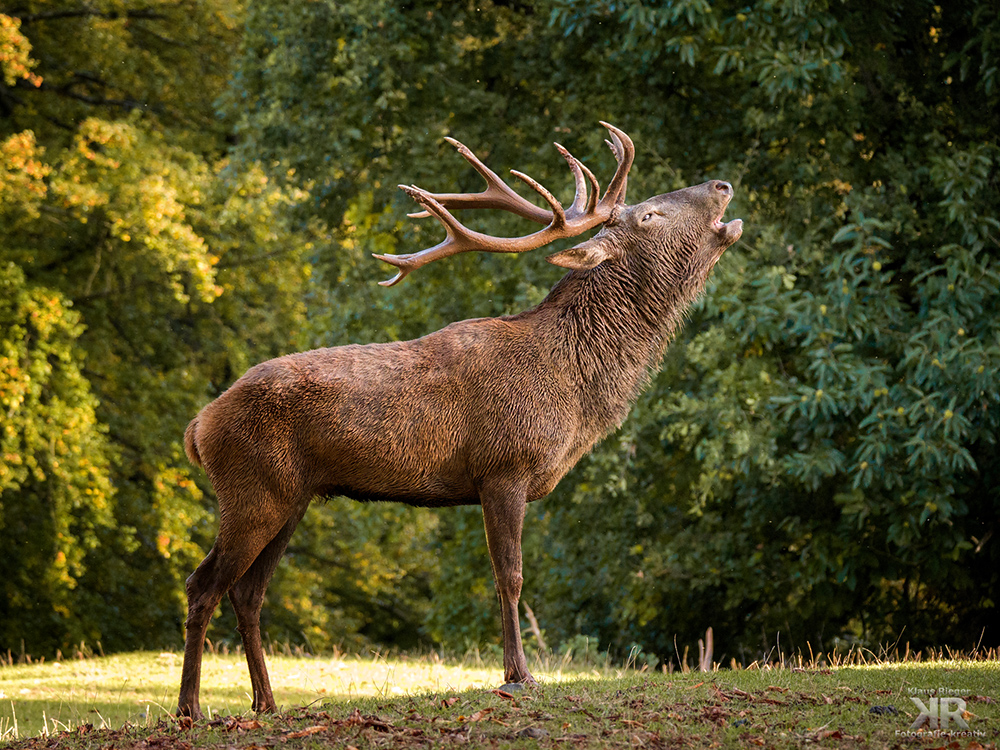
{"type": "Point", "coordinates": [584, 256]}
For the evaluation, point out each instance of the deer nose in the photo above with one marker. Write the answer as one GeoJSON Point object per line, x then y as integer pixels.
{"type": "Point", "coordinates": [723, 187]}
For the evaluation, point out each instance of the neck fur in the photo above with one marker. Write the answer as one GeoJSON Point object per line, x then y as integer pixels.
{"type": "Point", "coordinates": [609, 328]}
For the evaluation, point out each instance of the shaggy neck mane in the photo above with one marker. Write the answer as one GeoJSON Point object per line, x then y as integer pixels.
{"type": "Point", "coordinates": [608, 327]}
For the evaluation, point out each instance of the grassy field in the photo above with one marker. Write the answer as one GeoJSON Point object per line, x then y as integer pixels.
{"type": "Point", "coordinates": [125, 701]}
{"type": "Point", "coordinates": [141, 688]}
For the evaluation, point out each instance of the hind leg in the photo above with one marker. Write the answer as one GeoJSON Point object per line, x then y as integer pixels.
{"type": "Point", "coordinates": [247, 596]}
{"type": "Point", "coordinates": [241, 540]}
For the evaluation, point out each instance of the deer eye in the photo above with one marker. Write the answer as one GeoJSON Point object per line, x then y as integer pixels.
{"type": "Point", "coordinates": [648, 216]}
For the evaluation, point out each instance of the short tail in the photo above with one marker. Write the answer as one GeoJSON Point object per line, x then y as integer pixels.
{"type": "Point", "coordinates": [190, 446]}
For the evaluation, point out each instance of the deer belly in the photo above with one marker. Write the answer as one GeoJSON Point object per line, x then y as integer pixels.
{"type": "Point", "coordinates": [393, 458]}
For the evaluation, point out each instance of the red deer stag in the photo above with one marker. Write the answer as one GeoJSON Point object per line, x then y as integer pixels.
{"type": "Point", "coordinates": [492, 411]}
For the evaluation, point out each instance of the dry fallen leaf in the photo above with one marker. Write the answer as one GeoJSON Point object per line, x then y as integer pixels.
{"type": "Point", "coordinates": [306, 732]}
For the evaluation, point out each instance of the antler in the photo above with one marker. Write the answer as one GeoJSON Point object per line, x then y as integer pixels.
{"type": "Point", "coordinates": [584, 213]}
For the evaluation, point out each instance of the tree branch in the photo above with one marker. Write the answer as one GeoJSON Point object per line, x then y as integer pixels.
{"type": "Point", "coordinates": [129, 104]}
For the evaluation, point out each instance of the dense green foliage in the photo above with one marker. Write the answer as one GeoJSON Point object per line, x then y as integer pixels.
{"type": "Point", "coordinates": [141, 273]}
{"type": "Point", "coordinates": [816, 458]}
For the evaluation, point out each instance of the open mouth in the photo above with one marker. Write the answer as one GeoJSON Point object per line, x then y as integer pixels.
{"type": "Point", "coordinates": [729, 231]}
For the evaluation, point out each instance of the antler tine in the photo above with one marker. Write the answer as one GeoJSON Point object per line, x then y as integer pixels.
{"type": "Point", "coordinates": [583, 203]}
{"type": "Point", "coordinates": [615, 145]}
{"type": "Point", "coordinates": [558, 220]}
{"type": "Point", "coordinates": [496, 195]}
{"type": "Point", "coordinates": [595, 193]}
{"type": "Point", "coordinates": [433, 206]}
{"type": "Point", "coordinates": [624, 151]}
{"type": "Point", "coordinates": [400, 274]}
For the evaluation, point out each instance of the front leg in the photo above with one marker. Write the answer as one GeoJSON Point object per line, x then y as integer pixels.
{"type": "Point", "coordinates": [503, 516]}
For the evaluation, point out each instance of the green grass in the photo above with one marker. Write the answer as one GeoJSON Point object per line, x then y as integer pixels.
{"type": "Point", "coordinates": [421, 702]}
{"type": "Point", "coordinates": [141, 688]}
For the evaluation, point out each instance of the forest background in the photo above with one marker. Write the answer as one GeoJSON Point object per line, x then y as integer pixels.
{"type": "Point", "coordinates": [188, 187]}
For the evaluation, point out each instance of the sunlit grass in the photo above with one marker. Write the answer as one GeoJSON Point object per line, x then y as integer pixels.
{"type": "Point", "coordinates": [141, 688]}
